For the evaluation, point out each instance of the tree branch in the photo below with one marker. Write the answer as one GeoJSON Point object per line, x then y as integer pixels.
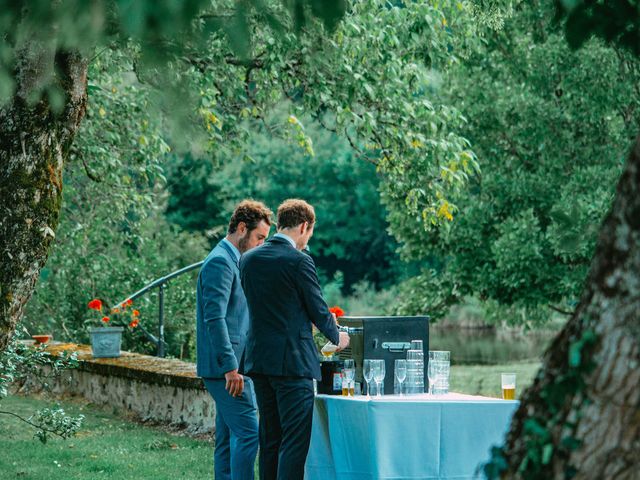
{"type": "Point", "coordinates": [560, 310]}
{"type": "Point", "coordinates": [39, 427]}
{"type": "Point", "coordinates": [89, 173]}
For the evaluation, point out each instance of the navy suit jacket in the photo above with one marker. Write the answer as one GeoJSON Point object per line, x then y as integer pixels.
{"type": "Point", "coordinates": [222, 318]}
{"type": "Point", "coordinates": [284, 299]}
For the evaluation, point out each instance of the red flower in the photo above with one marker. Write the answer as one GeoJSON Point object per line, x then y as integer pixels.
{"type": "Point", "coordinates": [95, 304]}
{"type": "Point", "coordinates": [135, 313]}
{"type": "Point", "coordinates": [115, 310]}
{"type": "Point", "coordinates": [134, 323]}
{"type": "Point", "coordinates": [129, 302]}
{"type": "Point", "coordinates": [338, 311]}
{"type": "Point", "coordinates": [105, 319]}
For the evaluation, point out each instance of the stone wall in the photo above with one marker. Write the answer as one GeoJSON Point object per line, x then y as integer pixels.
{"type": "Point", "coordinates": [152, 388]}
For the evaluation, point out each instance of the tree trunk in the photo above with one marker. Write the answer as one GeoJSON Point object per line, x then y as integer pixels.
{"type": "Point", "coordinates": [581, 417]}
{"type": "Point", "coordinates": [34, 143]}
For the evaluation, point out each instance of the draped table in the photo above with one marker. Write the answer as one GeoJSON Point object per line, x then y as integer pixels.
{"type": "Point", "coordinates": [405, 437]}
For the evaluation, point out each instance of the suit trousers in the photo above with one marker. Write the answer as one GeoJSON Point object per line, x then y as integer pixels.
{"type": "Point", "coordinates": [286, 413]}
{"type": "Point", "coordinates": [236, 431]}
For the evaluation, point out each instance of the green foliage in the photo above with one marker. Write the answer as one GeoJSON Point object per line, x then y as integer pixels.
{"type": "Point", "coordinates": [197, 201]}
{"type": "Point", "coordinates": [583, 19]}
{"type": "Point", "coordinates": [351, 235]}
{"type": "Point", "coordinates": [551, 128]}
{"type": "Point", "coordinates": [165, 30]}
{"type": "Point", "coordinates": [364, 298]}
{"type": "Point", "coordinates": [19, 362]}
{"type": "Point", "coordinates": [373, 81]}
{"type": "Point", "coordinates": [372, 78]}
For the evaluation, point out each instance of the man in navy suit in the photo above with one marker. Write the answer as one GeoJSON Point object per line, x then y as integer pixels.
{"type": "Point", "coordinates": [284, 299]}
{"type": "Point", "coordinates": [222, 326]}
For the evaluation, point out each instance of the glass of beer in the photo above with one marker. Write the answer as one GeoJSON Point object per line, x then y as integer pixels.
{"type": "Point", "coordinates": [328, 350]}
{"type": "Point", "coordinates": [509, 386]}
{"type": "Point", "coordinates": [349, 374]}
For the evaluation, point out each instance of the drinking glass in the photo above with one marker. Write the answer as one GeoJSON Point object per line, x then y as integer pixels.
{"type": "Point", "coordinates": [367, 372]}
{"type": "Point", "coordinates": [441, 364]}
{"type": "Point", "coordinates": [417, 345]}
{"type": "Point", "coordinates": [508, 386]}
{"type": "Point", "coordinates": [442, 355]}
{"type": "Point", "coordinates": [328, 350]}
{"type": "Point", "coordinates": [349, 372]}
{"type": "Point", "coordinates": [400, 369]}
{"type": "Point", "coordinates": [431, 374]}
{"type": "Point", "coordinates": [415, 371]}
{"type": "Point", "coordinates": [378, 375]}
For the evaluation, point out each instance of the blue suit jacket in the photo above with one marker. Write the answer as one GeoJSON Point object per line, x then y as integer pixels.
{"type": "Point", "coordinates": [284, 298]}
{"type": "Point", "coordinates": [222, 315]}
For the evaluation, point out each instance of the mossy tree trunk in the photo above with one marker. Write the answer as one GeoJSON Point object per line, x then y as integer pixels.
{"type": "Point", "coordinates": [34, 143]}
{"type": "Point", "coordinates": [581, 417]}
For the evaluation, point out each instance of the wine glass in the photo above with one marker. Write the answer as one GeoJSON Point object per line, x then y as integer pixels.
{"type": "Point", "coordinates": [367, 372]}
{"type": "Point", "coordinates": [400, 369]}
{"type": "Point", "coordinates": [349, 372]}
{"type": "Point", "coordinates": [378, 375]}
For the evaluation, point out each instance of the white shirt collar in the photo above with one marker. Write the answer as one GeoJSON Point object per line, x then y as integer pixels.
{"type": "Point", "coordinates": [289, 239]}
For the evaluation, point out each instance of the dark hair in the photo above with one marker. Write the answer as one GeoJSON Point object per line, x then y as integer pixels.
{"type": "Point", "coordinates": [293, 212]}
{"type": "Point", "coordinates": [251, 213]}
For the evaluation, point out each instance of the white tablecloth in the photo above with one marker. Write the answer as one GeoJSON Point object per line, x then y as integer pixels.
{"type": "Point", "coordinates": [408, 437]}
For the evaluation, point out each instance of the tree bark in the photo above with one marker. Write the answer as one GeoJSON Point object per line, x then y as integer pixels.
{"type": "Point", "coordinates": [581, 417]}
{"type": "Point", "coordinates": [34, 143]}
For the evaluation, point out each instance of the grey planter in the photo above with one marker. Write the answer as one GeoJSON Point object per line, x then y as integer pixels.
{"type": "Point", "coordinates": [105, 341]}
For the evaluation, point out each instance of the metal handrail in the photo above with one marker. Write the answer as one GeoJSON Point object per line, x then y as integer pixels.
{"type": "Point", "coordinates": [160, 284]}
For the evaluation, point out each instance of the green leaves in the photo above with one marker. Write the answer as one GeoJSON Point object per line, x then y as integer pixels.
{"type": "Point", "coordinates": [615, 21]}
{"type": "Point", "coordinates": [549, 127]}
{"type": "Point", "coordinates": [18, 362]}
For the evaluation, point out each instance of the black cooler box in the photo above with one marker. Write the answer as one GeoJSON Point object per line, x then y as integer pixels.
{"type": "Point", "coordinates": [385, 338]}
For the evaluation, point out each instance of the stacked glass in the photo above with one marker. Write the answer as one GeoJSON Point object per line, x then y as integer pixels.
{"type": "Point", "coordinates": [415, 368]}
{"type": "Point", "coordinates": [439, 371]}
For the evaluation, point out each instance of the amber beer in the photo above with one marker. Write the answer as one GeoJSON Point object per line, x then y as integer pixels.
{"type": "Point", "coordinates": [348, 392]}
{"type": "Point", "coordinates": [508, 392]}
{"type": "Point", "coordinates": [508, 386]}
{"type": "Point", "coordinates": [328, 350]}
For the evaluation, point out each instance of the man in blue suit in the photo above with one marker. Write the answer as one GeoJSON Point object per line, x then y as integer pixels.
{"type": "Point", "coordinates": [284, 298]}
{"type": "Point", "coordinates": [222, 326]}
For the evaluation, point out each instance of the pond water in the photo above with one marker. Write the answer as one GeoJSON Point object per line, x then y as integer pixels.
{"type": "Point", "coordinates": [489, 346]}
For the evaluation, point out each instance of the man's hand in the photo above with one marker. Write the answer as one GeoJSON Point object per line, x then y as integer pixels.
{"type": "Point", "coordinates": [344, 341]}
{"type": "Point", "coordinates": [235, 383]}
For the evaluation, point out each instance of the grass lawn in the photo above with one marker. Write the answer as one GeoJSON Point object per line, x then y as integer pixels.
{"type": "Point", "coordinates": [108, 446]}
{"type": "Point", "coordinates": [112, 447]}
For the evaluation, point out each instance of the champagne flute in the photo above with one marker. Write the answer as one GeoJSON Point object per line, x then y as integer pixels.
{"type": "Point", "coordinates": [349, 373]}
{"type": "Point", "coordinates": [367, 372]}
{"type": "Point", "coordinates": [378, 375]}
{"type": "Point", "coordinates": [400, 370]}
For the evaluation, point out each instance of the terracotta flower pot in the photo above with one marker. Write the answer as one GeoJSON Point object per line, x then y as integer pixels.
{"type": "Point", "coordinates": [44, 338]}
